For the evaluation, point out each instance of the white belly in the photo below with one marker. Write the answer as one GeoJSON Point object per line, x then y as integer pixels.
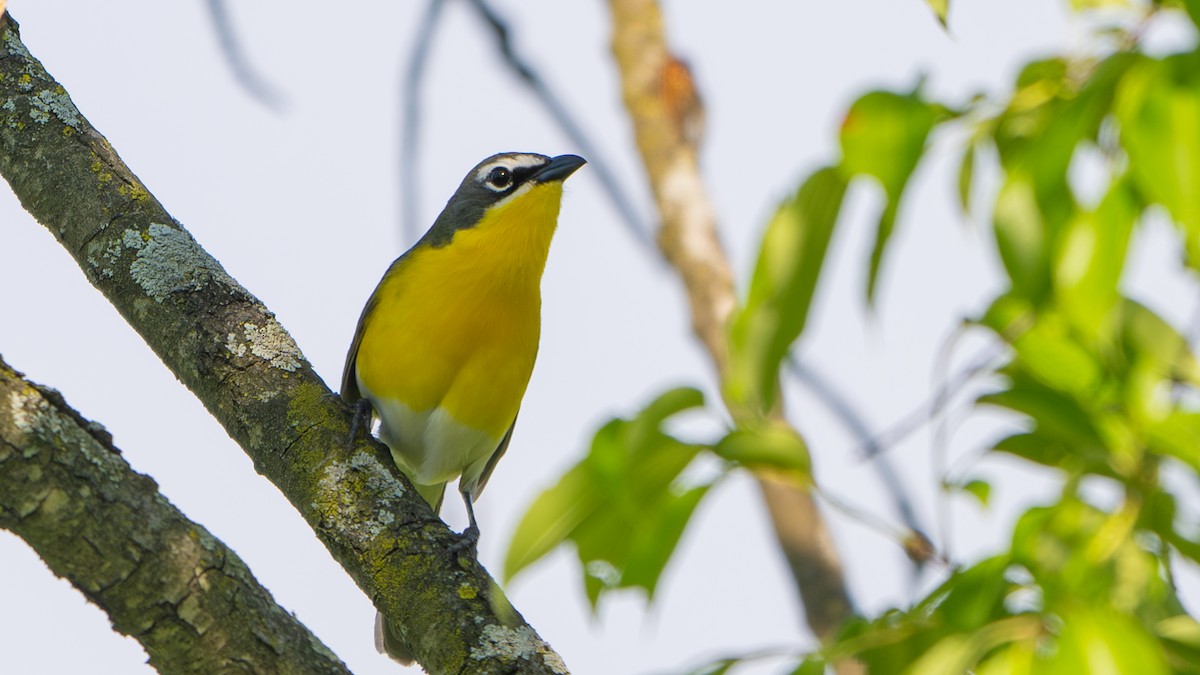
{"type": "Point", "coordinates": [430, 446]}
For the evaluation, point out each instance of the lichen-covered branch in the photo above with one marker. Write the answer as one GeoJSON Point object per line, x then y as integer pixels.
{"type": "Point", "coordinates": [662, 101]}
{"type": "Point", "coordinates": [162, 579]}
{"type": "Point", "coordinates": [225, 346]}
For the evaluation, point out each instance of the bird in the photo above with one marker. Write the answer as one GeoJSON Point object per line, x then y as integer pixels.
{"type": "Point", "coordinates": [445, 346]}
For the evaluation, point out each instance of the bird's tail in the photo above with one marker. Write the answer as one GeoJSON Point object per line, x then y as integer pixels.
{"type": "Point", "coordinates": [432, 494]}
{"type": "Point", "coordinates": [387, 642]}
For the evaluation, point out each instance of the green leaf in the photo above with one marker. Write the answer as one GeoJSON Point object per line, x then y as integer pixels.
{"type": "Point", "coordinates": [1048, 352]}
{"type": "Point", "coordinates": [1097, 640]}
{"type": "Point", "coordinates": [655, 541]}
{"type": "Point", "coordinates": [1056, 415]}
{"type": "Point", "coordinates": [1091, 259]}
{"type": "Point", "coordinates": [1149, 339]}
{"type": "Point", "coordinates": [782, 287]}
{"type": "Point", "coordinates": [623, 506]}
{"type": "Point", "coordinates": [1193, 10]}
{"type": "Point", "coordinates": [1178, 435]}
{"type": "Point", "coordinates": [717, 668]}
{"type": "Point", "coordinates": [1035, 448]}
{"type": "Point", "coordinates": [976, 595]}
{"type": "Point", "coordinates": [553, 517]}
{"type": "Point", "coordinates": [1158, 107]}
{"type": "Point", "coordinates": [966, 175]}
{"type": "Point", "coordinates": [960, 652]}
{"type": "Point", "coordinates": [1013, 659]}
{"type": "Point", "coordinates": [980, 489]}
{"type": "Point", "coordinates": [1180, 636]}
{"type": "Point", "coordinates": [1020, 233]}
{"type": "Point", "coordinates": [883, 136]}
{"type": "Point", "coordinates": [813, 665]}
{"type": "Point", "coordinates": [777, 448]}
{"type": "Point", "coordinates": [940, 9]}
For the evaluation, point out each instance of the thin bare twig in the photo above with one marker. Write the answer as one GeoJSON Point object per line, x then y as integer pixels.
{"type": "Point", "coordinates": [931, 408]}
{"type": "Point", "coordinates": [255, 85]}
{"type": "Point", "coordinates": [845, 412]}
{"type": "Point", "coordinates": [915, 544]}
{"type": "Point", "coordinates": [565, 121]}
{"type": "Point", "coordinates": [410, 211]}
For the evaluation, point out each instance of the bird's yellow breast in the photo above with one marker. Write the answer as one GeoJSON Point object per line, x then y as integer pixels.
{"type": "Point", "coordinates": [457, 326]}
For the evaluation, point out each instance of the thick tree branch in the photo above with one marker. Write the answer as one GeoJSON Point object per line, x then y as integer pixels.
{"type": "Point", "coordinates": [225, 346]}
{"type": "Point", "coordinates": [162, 579]}
{"type": "Point", "coordinates": [661, 100]}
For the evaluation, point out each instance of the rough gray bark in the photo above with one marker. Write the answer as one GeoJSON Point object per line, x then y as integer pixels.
{"type": "Point", "coordinates": [225, 346]}
{"type": "Point", "coordinates": [162, 579]}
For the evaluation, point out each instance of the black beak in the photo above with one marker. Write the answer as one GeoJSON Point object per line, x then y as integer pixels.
{"type": "Point", "coordinates": [559, 168]}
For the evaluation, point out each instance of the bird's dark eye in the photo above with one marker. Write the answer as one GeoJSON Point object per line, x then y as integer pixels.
{"type": "Point", "coordinates": [500, 178]}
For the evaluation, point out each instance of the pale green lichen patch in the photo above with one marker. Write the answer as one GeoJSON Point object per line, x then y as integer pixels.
{"type": "Point", "coordinates": [15, 47]}
{"type": "Point", "coordinates": [169, 261]}
{"type": "Point", "coordinates": [516, 643]}
{"type": "Point", "coordinates": [111, 256]}
{"type": "Point", "coordinates": [132, 239]}
{"type": "Point", "coordinates": [467, 592]}
{"type": "Point", "coordinates": [10, 108]}
{"type": "Point", "coordinates": [21, 418]}
{"type": "Point", "coordinates": [235, 346]}
{"type": "Point", "coordinates": [269, 342]}
{"type": "Point", "coordinates": [341, 479]}
{"type": "Point", "coordinates": [34, 416]}
{"type": "Point", "coordinates": [55, 102]}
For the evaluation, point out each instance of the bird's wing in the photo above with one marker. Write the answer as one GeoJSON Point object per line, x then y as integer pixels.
{"type": "Point", "coordinates": [491, 464]}
{"type": "Point", "coordinates": [349, 391]}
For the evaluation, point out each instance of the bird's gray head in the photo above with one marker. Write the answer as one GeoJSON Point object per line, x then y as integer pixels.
{"type": "Point", "coordinates": [493, 181]}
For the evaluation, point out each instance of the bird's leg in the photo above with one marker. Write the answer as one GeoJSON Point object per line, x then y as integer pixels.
{"type": "Point", "coordinates": [470, 536]}
{"type": "Point", "coordinates": [361, 419]}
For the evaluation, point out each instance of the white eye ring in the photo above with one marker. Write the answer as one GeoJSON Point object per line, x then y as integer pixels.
{"type": "Point", "coordinates": [499, 179]}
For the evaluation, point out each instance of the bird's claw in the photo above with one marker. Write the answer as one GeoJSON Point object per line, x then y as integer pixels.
{"type": "Point", "coordinates": [468, 540]}
{"type": "Point", "coordinates": [361, 419]}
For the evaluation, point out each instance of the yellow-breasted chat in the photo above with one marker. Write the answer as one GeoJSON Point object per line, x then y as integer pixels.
{"type": "Point", "coordinates": [446, 344]}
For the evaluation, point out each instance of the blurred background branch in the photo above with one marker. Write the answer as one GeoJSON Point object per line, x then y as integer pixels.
{"type": "Point", "coordinates": [689, 241]}
{"type": "Point", "coordinates": [254, 84]}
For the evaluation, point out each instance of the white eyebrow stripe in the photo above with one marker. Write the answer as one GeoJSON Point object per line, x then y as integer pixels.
{"type": "Point", "coordinates": [512, 163]}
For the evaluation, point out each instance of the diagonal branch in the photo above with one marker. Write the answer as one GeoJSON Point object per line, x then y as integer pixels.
{"type": "Point", "coordinates": [225, 346]}
{"type": "Point", "coordinates": [162, 579]}
{"type": "Point", "coordinates": [688, 239]}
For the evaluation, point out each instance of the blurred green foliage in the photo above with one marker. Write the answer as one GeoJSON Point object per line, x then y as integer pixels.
{"type": "Point", "coordinates": [1106, 386]}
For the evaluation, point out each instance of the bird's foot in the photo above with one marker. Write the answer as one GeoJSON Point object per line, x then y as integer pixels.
{"type": "Point", "coordinates": [361, 419]}
{"type": "Point", "coordinates": [468, 540]}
